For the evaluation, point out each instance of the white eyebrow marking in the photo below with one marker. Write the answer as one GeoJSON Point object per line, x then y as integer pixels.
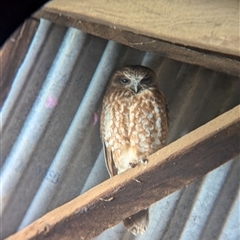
{"type": "Point", "coordinates": [133, 76]}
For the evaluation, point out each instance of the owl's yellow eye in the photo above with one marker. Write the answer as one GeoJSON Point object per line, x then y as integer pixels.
{"type": "Point", "coordinates": [125, 81]}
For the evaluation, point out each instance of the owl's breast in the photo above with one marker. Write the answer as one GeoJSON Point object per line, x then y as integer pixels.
{"type": "Point", "coordinates": [133, 125]}
{"type": "Point", "coordinates": [115, 120]}
{"type": "Point", "coordinates": [147, 121]}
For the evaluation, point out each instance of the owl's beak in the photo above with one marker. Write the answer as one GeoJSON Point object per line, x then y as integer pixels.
{"type": "Point", "coordinates": [136, 88]}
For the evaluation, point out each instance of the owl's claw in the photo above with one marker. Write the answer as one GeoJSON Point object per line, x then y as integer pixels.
{"type": "Point", "coordinates": [144, 162]}
{"type": "Point", "coordinates": [132, 165]}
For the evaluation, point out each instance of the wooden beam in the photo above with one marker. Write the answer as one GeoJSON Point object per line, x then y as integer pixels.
{"type": "Point", "coordinates": [168, 170]}
{"type": "Point", "coordinates": [215, 61]}
{"type": "Point", "coordinates": [209, 25]}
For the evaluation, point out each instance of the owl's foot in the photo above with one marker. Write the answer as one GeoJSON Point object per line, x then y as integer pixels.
{"type": "Point", "coordinates": [137, 223]}
{"type": "Point", "coordinates": [144, 162]}
{"type": "Point", "coordinates": [132, 165]}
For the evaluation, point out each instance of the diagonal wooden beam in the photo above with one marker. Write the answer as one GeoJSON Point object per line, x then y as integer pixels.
{"type": "Point", "coordinates": [168, 170]}
{"type": "Point", "coordinates": [218, 62]}
{"type": "Point", "coordinates": [187, 31]}
{"type": "Point", "coordinates": [207, 25]}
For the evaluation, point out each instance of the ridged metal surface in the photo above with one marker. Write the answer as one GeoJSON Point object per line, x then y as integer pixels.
{"type": "Point", "coordinates": [51, 150]}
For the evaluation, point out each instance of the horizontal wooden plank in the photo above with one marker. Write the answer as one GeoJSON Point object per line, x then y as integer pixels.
{"type": "Point", "coordinates": [169, 169]}
{"type": "Point", "coordinates": [217, 62]}
{"type": "Point", "coordinates": [209, 25]}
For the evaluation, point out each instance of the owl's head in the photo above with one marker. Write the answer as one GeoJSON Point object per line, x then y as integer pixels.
{"type": "Point", "coordinates": [135, 78]}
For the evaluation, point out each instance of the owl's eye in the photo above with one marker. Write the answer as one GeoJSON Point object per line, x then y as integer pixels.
{"type": "Point", "coordinates": [145, 80]}
{"type": "Point", "coordinates": [125, 81]}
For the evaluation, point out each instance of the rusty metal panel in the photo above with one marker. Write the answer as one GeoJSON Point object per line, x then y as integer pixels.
{"type": "Point", "coordinates": [51, 150]}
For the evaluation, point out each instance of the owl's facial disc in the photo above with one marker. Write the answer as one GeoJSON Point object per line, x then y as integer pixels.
{"type": "Point", "coordinates": [137, 85]}
{"type": "Point", "coordinates": [136, 81]}
{"type": "Point", "coordinates": [132, 84]}
{"type": "Point", "coordinates": [135, 78]}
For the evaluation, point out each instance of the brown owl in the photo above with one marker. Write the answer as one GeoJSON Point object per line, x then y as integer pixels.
{"type": "Point", "coordinates": [134, 124]}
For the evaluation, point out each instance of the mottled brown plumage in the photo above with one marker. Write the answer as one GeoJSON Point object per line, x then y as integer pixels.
{"type": "Point", "coordinates": [134, 125]}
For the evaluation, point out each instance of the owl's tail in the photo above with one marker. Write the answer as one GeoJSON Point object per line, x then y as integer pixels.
{"type": "Point", "coordinates": [137, 223]}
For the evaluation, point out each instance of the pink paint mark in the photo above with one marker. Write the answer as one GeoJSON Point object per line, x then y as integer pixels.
{"type": "Point", "coordinates": [95, 119]}
{"type": "Point", "coordinates": [51, 102]}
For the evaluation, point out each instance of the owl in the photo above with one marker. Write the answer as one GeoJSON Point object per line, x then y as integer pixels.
{"type": "Point", "coordinates": [134, 124]}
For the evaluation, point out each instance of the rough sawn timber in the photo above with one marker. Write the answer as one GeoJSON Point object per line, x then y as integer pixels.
{"type": "Point", "coordinates": [209, 25]}
{"type": "Point", "coordinates": [216, 61]}
{"type": "Point", "coordinates": [169, 169]}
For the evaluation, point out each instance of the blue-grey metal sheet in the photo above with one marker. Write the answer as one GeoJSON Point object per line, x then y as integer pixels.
{"type": "Point", "coordinates": [51, 150]}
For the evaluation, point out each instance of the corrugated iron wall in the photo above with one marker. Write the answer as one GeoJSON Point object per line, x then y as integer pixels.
{"type": "Point", "coordinates": [51, 150]}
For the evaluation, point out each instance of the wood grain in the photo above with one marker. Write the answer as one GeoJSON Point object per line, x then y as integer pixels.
{"type": "Point", "coordinates": [209, 25]}
{"type": "Point", "coordinates": [168, 170]}
{"type": "Point", "coordinates": [211, 60]}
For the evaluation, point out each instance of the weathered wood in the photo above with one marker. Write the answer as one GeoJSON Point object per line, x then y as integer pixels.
{"type": "Point", "coordinates": [12, 54]}
{"type": "Point", "coordinates": [215, 61]}
{"type": "Point", "coordinates": [210, 25]}
{"type": "Point", "coordinates": [169, 169]}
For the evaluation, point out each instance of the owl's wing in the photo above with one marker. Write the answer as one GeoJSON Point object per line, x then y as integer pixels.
{"type": "Point", "coordinates": [167, 110]}
{"type": "Point", "coordinates": [109, 161]}
{"type": "Point", "coordinates": [105, 128]}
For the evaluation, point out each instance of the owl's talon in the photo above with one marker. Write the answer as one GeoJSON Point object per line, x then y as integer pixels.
{"type": "Point", "coordinates": [132, 165]}
{"type": "Point", "coordinates": [144, 162]}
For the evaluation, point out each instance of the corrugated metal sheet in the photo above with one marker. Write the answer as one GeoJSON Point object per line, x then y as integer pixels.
{"type": "Point", "coordinates": [51, 149]}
